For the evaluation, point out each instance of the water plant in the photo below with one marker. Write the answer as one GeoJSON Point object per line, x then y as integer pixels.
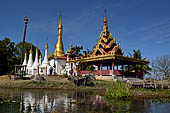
{"type": "Point", "coordinates": [118, 91]}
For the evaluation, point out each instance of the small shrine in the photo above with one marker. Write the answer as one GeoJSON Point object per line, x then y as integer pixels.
{"type": "Point", "coordinates": [107, 58]}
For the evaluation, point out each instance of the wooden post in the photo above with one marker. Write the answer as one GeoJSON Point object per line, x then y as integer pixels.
{"type": "Point", "coordinates": [113, 67]}
{"type": "Point", "coordinates": [98, 67]}
{"type": "Point", "coordinates": [38, 70]}
{"type": "Point", "coordinates": [101, 66]}
{"type": "Point", "coordinates": [122, 67]}
{"type": "Point", "coordinates": [45, 70]}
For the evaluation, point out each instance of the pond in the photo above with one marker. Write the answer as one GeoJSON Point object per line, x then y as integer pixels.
{"type": "Point", "coordinates": [76, 101]}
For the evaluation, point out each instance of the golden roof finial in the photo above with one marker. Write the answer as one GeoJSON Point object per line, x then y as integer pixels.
{"type": "Point", "coordinates": [37, 50]}
{"type": "Point", "coordinates": [105, 27]}
{"type": "Point", "coordinates": [60, 24]}
{"type": "Point", "coordinates": [40, 55]}
{"type": "Point", "coordinates": [105, 18]}
{"type": "Point", "coordinates": [37, 47]}
{"type": "Point", "coordinates": [71, 45]}
{"type": "Point", "coordinates": [114, 39]}
{"type": "Point", "coordinates": [46, 46]}
{"type": "Point", "coordinates": [31, 48]}
{"type": "Point", "coordinates": [119, 44]}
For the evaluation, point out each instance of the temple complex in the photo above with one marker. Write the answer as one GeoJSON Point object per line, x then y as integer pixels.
{"type": "Point", "coordinates": [53, 64]}
{"type": "Point", "coordinates": [107, 58]}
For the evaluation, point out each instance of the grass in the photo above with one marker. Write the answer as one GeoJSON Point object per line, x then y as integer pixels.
{"type": "Point", "coordinates": [52, 82]}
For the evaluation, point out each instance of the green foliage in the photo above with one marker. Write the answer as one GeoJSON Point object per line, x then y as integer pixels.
{"type": "Point", "coordinates": [91, 68]}
{"type": "Point", "coordinates": [7, 56]}
{"type": "Point", "coordinates": [118, 91]}
{"type": "Point", "coordinates": [77, 50]}
{"type": "Point", "coordinates": [87, 52]}
{"type": "Point", "coordinates": [138, 55]}
{"type": "Point", "coordinates": [27, 47]}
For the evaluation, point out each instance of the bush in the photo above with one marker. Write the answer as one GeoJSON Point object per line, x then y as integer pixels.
{"type": "Point", "coordinates": [119, 91]}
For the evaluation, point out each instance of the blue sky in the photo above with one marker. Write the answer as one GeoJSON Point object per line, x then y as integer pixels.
{"type": "Point", "coordinates": [137, 24]}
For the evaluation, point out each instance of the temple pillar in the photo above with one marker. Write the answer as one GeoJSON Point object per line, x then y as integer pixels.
{"type": "Point", "coordinates": [38, 70]}
{"type": "Point", "coordinates": [71, 71]}
{"type": "Point", "coordinates": [113, 67]}
{"type": "Point", "coordinates": [101, 66]}
{"type": "Point", "coordinates": [45, 70]}
{"type": "Point", "coordinates": [110, 67]}
{"type": "Point", "coordinates": [117, 67]}
{"type": "Point", "coordinates": [122, 67]}
{"type": "Point", "coordinates": [98, 67]}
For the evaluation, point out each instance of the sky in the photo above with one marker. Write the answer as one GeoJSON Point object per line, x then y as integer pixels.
{"type": "Point", "coordinates": [137, 24]}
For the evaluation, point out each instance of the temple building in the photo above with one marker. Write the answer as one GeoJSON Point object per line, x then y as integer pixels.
{"type": "Point", "coordinates": [107, 58]}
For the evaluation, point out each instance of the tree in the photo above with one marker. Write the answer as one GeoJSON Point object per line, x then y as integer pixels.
{"type": "Point", "coordinates": [87, 52]}
{"type": "Point", "coordinates": [7, 56]}
{"type": "Point", "coordinates": [161, 66]}
{"type": "Point", "coordinates": [138, 55]}
{"type": "Point", "coordinates": [77, 50]}
{"type": "Point", "coordinates": [27, 47]}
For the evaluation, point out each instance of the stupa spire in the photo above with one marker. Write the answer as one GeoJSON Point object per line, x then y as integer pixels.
{"type": "Point", "coordinates": [40, 59]}
{"type": "Point", "coordinates": [25, 59]}
{"type": "Point", "coordinates": [59, 50]}
{"type": "Point", "coordinates": [36, 63]}
{"type": "Point", "coordinates": [30, 61]}
{"type": "Point", "coordinates": [31, 48]}
{"type": "Point", "coordinates": [105, 27]}
{"type": "Point", "coordinates": [45, 61]}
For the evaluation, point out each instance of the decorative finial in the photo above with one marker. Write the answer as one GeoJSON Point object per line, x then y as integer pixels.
{"type": "Point", "coordinates": [71, 45]}
{"type": "Point", "coordinates": [31, 48]}
{"type": "Point", "coordinates": [37, 50]}
{"type": "Point", "coordinates": [60, 24]}
{"type": "Point", "coordinates": [26, 20]}
{"type": "Point", "coordinates": [114, 39]}
{"type": "Point", "coordinates": [46, 46]}
{"type": "Point", "coordinates": [119, 44]}
{"type": "Point", "coordinates": [40, 55]}
{"type": "Point", "coordinates": [105, 18]}
{"type": "Point", "coordinates": [105, 27]}
{"type": "Point", "coordinates": [60, 16]}
{"type": "Point", "coordinates": [37, 47]}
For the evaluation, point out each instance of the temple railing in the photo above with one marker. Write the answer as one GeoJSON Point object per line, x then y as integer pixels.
{"type": "Point", "coordinates": [118, 72]}
{"type": "Point", "coordinates": [110, 72]}
{"type": "Point", "coordinates": [97, 72]}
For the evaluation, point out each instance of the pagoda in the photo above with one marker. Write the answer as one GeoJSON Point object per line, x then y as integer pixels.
{"type": "Point", "coordinates": [57, 59]}
{"type": "Point", "coordinates": [59, 50]}
{"type": "Point", "coordinates": [107, 57]}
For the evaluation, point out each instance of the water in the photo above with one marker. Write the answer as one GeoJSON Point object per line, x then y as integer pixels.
{"type": "Point", "coordinates": [62, 101]}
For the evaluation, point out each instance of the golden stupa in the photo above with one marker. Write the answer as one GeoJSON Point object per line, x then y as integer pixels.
{"type": "Point", "coordinates": [59, 50]}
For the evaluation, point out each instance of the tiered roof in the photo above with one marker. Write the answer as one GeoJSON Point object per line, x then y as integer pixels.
{"type": "Point", "coordinates": [106, 44]}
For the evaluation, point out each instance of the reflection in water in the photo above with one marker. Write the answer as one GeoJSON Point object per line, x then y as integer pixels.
{"type": "Point", "coordinates": [46, 101]}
